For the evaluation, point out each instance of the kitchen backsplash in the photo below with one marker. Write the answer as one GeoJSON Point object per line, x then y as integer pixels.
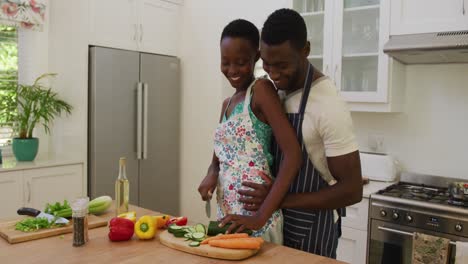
{"type": "Point", "coordinates": [431, 136]}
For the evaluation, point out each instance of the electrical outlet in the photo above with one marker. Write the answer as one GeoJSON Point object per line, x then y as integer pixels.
{"type": "Point", "coordinates": [377, 143]}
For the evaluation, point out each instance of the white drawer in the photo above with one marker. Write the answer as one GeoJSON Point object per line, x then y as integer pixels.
{"type": "Point", "coordinates": [352, 246]}
{"type": "Point", "coordinates": [356, 215]}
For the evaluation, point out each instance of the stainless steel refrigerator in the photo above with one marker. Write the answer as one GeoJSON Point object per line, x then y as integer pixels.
{"type": "Point", "coordinates": [134, 112]}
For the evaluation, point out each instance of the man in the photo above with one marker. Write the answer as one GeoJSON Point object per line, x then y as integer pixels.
{"type": "Point", "coordinates": [330, 176]}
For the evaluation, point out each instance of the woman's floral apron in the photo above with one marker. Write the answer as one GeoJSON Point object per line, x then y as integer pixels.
{"type": "Point", "coordinates": [241, 158]}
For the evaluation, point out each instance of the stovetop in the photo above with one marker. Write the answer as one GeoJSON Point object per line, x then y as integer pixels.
{"type": "Point", "coordinates": [423, 193]}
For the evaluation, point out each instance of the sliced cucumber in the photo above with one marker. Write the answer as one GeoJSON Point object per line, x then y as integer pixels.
{"type": "Point", "coordinates": [179, 234]}
{"type": "Point", "coordinates": [194, 244]}
{"type": "Point", "coordinates": [174, 228]}
{"type": "Point", "coordinates": [191, 229]}
{"type": "Point", "coordinates": [198, 236]}
{"type": "Point", "coordinates": [200, 228]}
{"type": "Point", "coordinates": [188, 235]}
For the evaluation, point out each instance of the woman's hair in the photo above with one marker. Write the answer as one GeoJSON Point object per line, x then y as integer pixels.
{"type": "Point", "coordinates": [283, 25]}
{"type": "Point", "coordinates": [241, 28]}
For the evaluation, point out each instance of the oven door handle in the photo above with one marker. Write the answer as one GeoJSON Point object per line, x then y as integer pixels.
{"type": "Point", "coordinates": [395, 231]}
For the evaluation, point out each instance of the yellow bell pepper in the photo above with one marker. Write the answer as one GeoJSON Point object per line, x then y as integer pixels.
{"type": "Point", "coordinates": [130, 216]}
{"type": "Point", "coordinates": [145, 227]}
{"type": "Point", "coordinates": [161, 220]}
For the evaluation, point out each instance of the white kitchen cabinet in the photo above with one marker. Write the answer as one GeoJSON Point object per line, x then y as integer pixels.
{"type": "Point", "coordinates": [113, 23]}
{"type": "Point", "coordinates": [54, 184]}
{"type": "Point", "coordinates": [34, 187]}
{"type": "Point", "coordinates": [318, 16]}
{"type": "Point", "coordinates": [352, 246]}
{"type": "Point", "coordinates": [159, 24]}
{"type": "Point", "coordinates": [143, 25]}
{"type": "Point", "coordinates": [347, 39]}
{"type": "Point", "coordinates": [425, 16]}
{"type": "Point", "coordinates": [11, 193]}
{"type": "Point", "coordinates": [357, 215]}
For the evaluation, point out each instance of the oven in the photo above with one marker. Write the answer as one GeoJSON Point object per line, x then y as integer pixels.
{"type": "Point", "coordinates": [393, 243]}
{"type": "Point", "coordinates": [417, 204]}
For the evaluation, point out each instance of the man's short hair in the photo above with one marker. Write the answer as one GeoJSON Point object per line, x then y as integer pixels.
{"type": "Point", "coordinates": [283, 25]}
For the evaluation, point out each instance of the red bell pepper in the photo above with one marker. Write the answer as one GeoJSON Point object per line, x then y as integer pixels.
{"type": "Point", "coordinates": [120, 229]}
{"type": "Point", "coordinates": [180, 221]}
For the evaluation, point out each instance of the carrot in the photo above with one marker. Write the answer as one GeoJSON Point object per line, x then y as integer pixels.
{"type": "Point", "coordinates": [236, 243]}
{"type": "Point", "coordinates": [260, 240]}
{"type": "Point", "coordinates": [225, 236]}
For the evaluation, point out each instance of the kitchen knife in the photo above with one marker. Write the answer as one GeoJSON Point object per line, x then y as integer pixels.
{"type": "Point", "coordinates": [208, 205]}
{"type": "Point", "coordinates": [38, 214]}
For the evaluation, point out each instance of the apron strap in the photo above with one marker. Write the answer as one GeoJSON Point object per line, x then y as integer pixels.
{"type": "Point", "coordinates": [227, 107]}
{"type": "Point", "coordinates": [307, 87]}
{"type": "Point", "coordinates": [248, 96]}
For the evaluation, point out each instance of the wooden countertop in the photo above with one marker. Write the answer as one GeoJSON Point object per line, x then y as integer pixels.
{"type": "Point", "coordinates": [99, 249]}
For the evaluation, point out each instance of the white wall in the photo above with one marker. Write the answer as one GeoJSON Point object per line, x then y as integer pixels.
{"type": "Point", "coordinates": [431, 136]}
{"type": "Point", "coordinates": [32, 62]}
{"type": "Point", "coordinates": [203, 86]}
{"type": "Point", "coordinates": [68, 56]}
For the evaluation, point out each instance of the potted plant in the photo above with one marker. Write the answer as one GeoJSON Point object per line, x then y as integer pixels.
{"type": "Point", "coordinates": [34, 104]}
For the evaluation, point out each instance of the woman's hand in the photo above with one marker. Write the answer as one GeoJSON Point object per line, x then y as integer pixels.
{"type": "Point", "coordinates": [242, 222]}
{"type": "Point", "coordinates": [208, 185]}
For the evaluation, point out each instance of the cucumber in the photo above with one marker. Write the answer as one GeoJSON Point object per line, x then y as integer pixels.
{"type": "Point", "coordinates": [179, 234]}
{"type": "Point", "coordinates": [214, 229]}
{"type": "Point", "coordinates": [174, 228]}
{"type": "Point", "coordinates": [198, 236]}
{"type": "Point", "coordinates": [200, 228]}
{"type": "Point", "coordinates": [194, 244]}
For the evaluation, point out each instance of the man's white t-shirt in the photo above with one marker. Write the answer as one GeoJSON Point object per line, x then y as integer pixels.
{"type": "Point", "coordinates": [327, 129]}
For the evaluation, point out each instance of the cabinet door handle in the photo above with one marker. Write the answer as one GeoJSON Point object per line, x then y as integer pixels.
{"type": "Point", "coordinates": [463, 7]}
{"type": "Point", "coordinates": [334, 74]}
{"type": "Point", "coordinates": [139, 118]}
{"type": "Point", "coordinates": [326, 70]}
{"type": "Point", "coordinates": [141, 32]}
{"type": "Point", "coordinates": [29, 191]}
{"type": "Point", "coordinates": [135, 32]}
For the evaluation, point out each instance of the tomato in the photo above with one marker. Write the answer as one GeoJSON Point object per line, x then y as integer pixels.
{"type": "Point", "coordinates": [180, 221]}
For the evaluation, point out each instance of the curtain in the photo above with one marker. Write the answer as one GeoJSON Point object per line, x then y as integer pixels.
{"type": "Point", "coordinates": [27, 14]}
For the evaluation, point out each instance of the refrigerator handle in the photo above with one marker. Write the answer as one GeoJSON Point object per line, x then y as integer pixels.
{"type": "Point", "coordinates": [139, 118]}
{"type": "Point", "coordinates": [145, 120]}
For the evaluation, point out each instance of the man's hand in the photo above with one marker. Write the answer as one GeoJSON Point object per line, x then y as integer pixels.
{"type": "Point", "coordinates": [242, 222]}
{"type": "Point", "coordinates": [253, 199]}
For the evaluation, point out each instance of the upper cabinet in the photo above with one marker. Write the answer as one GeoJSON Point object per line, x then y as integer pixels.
{"type": "Point", "coordinates": [426, 16]}
{"type": "Point", "coordinates": [143, 25]}
{"type": "Point", "coordinates": [347, 38]}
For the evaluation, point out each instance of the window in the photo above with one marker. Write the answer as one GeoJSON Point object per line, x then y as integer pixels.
{"type": "Point", "coordinates": [8, 81]}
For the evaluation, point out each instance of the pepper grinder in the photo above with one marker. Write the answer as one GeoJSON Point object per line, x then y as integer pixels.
{"type": "Point", "coordinates": [80, 221]}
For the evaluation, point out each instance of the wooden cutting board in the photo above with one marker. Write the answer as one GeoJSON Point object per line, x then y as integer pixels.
{"type": "Point", "coordinates": [178, 243]}
{"type": "Point", "coordinates": [8, 232]}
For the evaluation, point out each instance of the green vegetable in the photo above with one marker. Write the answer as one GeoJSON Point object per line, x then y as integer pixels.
{"type": "Point", "coordinates": [175, 228]}
{"type": "Point", "coordinates": [97, 206]}
{"type": "Point", "coordinates": [56, 207]}
{"type": "Point", "coordinates": [100, 204]}
{"type": "Point", "coordinates": [194, 244]}
{"type": "Point", "coordinates": [33, 224]}
{"type": "Point", "coordinates": [200, 228]}
{"type": "Point", "coordinates": [195, 233]}
{"type": "Point", "coordinates": [214, 229]}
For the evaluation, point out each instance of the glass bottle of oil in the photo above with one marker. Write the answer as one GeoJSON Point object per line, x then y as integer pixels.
{"type": "Point", "coordinates": [122, 189]}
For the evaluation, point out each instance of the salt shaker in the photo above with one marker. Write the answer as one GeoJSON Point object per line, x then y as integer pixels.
{"type": "Point", "coordinates": [80, 221]}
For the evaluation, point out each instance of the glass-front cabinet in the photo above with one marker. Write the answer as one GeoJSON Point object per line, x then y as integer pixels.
{"type": "Point", "coordinates": [347, 39]}
{"type": "Point", "coordinates": [315, 15]}
{"type": "Point", "coordinates": [360, 66]}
